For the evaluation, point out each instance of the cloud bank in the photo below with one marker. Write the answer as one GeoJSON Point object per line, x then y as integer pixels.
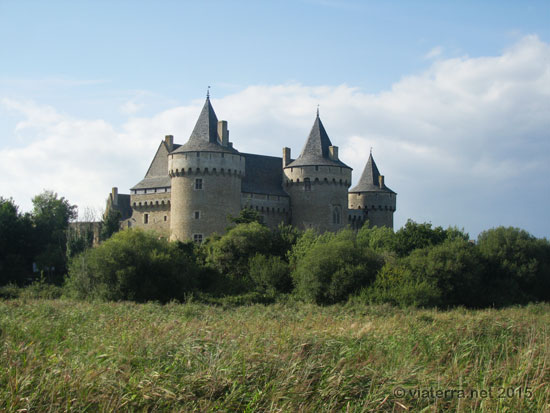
{"type": "Point", "coordinates": [464, 143]}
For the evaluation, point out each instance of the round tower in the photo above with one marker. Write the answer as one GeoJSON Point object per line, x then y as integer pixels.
{"type": "Point", "coordinates": [373, 197]}
{"type": "Point", "coordinates": [206, 176]}
{"type": "Point", "coordinates": [317, 183]}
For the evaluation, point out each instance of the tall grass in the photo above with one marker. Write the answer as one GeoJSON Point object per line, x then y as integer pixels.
{"type": "Point", "coordinates": [60, 355]}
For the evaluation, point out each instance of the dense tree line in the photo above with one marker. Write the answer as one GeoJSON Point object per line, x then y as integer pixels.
{"type": "Point", "coordinates": [38, 245]}
{"type": "Point", "coordinates": [418, 265]}
{"type": "Point", "coordinates": [34, 242]}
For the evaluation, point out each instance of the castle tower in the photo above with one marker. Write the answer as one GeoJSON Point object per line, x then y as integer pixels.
{"type": "Point", "coordinates": [317, 182]}
{"type": "Point", "coordinates": [205, 175]}
{"type": "Point", "coordinates": [373, 196]}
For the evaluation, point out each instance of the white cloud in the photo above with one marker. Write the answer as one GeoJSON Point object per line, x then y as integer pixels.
{"type": "Point", "coordinates": [466, 142]}
{"type": "Point", "coordinates": [433, 53]}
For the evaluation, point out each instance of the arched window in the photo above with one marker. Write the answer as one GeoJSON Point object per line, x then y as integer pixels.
{"type": "Point", "coordinates": [336, 215]}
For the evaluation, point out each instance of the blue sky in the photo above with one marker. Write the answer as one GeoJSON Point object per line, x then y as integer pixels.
{"type": "Point", "coordinates": [452, 96]}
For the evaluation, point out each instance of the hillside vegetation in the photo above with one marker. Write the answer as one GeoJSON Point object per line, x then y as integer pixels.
{"type": "Point", "coordinates": [62, 355]}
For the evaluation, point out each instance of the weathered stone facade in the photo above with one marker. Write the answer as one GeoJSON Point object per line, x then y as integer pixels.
{"type": "Point", "coordinates": [190, 190]}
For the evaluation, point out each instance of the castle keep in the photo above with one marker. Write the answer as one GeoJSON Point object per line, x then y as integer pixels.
{"type": "Point", "coordinates": [189, 190]}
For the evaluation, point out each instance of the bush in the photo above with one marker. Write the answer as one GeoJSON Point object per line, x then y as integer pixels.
{"type": "Point", "coordinates": [518, 266]}
{"type": "Point", "coordinates": [445, 275]}
{"type": "Point", "coordinates": [333, 268]}
{"type": "Point", "coordinates": [269, 274]}
{"type": "Point", "coordinates": [133, 265]}
{"type": "Point", "coordinates": [416, 236]}
{"type": "Point", "coordinates": [396, 284]}
{"type": "Point", "coordinates": [230, 254]}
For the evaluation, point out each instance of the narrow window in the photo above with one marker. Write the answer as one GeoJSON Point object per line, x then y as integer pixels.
{"type": "Point", "coordinates": [307, 185]}
{"type": "Point", "coordinates": [145, 218]}
{"type": "Point", "coordinates": [198, 154]}
{"type": "Point", "coordinates": [336, 215]}
{"type": "Point", "coordinates": [316, 167]}
{"type": "Point", "coordinates": [165, 218]}
{"type": "Point", "coordinates": [197, 238]}
{"type": "Point", "coordinates": [197, 214]}
{"type": "Point", "coordinates": [198, 183]}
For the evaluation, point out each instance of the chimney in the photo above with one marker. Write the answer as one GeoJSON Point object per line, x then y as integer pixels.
{"type": "Point", "coordinates": [333, 152]}
{"type": "Point", "coordinates": [381, 181]}
{"type": "Point", "coordinates": [223, 133]}
{"type": "Point", "coordinates": [114, 194]}
{"type": "Point", "coordinates": [286, 156]}
{"type": "Point", "coordinates": [169, 140]}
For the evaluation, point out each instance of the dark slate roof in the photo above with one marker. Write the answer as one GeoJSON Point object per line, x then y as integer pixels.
{"type": "Point", "coordinates": [263, 175]}
{"type": "Point", "coordinates": [157, 174]}
{"type": "Point", "coordinates": [205, 134]}
{"type": "Point", "coordinates": [316, 150]}
{"type": "Point", "coordinates": [369, 181]}
{"type": "Point", "coordinates": [153, 182]}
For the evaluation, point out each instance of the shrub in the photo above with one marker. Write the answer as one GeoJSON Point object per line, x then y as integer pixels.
{"type": "Point", "coordinates": [414, 236]}
{"type": "Point", "coordinates": [446, 275]}
{"type": "Point", "coordinates": [230, 253]}
{"type": "Point", "coordinates": [133, 265]}
{"type": "Point", "coordinates": [270, 274]}
{"type": "Point", "coordinates": [331, 269]}
{"type": "Point", "coordinates": [518, 266]}
{"type": "Point", "coordinates": [396, 284]}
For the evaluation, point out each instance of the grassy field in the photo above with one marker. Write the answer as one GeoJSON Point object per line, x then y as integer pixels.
{"type": "Point", "coordinates": [60, 355]}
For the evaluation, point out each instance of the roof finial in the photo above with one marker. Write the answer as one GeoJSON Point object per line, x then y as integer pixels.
{"type": "Point", "coordinates": [371, 150]}
{"type": "Point", "coordinates": [208, 93]}
{"type": "Point", "coordinates": [317, 110]}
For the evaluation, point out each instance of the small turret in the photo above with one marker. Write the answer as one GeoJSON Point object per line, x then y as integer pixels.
{"type": "Point", "coordinates": [373, 196]}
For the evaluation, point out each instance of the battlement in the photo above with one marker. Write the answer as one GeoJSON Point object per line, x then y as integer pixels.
{"type": "Point", "coordinates": [210, 163]}
{"type": "Point", "coordinates": [317, 175]}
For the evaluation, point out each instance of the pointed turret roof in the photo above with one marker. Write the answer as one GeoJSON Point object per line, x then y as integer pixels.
{"type": "Point", "coordinates": [205, 134]}
{"type": "Point", "coordinates": [315, 151]}
{"type": "Point", "coordinates": [370, 179]}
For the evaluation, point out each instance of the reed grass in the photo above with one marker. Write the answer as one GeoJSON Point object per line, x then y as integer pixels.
{"type": "Point", "coordinates": [62, 355]}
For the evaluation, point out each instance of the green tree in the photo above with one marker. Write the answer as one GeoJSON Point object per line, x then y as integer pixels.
{"type": "Point", "coordinates": [247, 216]}
{"type": "Point", "coordinates": [17, 245]}
{"type": "Point", "coordinates": [51, 216]}
{"type": "Point", "coordinates": [133, 265]}
{"type": "Point", "coordinates": [448, 274]}
{"type": "Point", "coordinates": [333, 268]}
{"type": "Point", "coordinates": [110, 224]}
{"type": "Point", "coordinates": [230, 253]}
{"type": "Point", "coordinates": [414, 236]}
{"type": "Point", "coordinates": [378, 238]}
{"type": "Point", "coordinates": [518, 266]}
{"type": "Point", "coordinates": [270, 274]}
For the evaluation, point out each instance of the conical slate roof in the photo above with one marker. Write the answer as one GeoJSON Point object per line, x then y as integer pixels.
{"type": "Point", "coordinates": [370, 179]}
{"type": "Point", "coordinates": [205, 134]}
{"type": "Point", "coordinates": [315, 151]}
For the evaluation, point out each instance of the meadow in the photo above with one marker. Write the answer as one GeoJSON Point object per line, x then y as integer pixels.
{"type": "Point", "coordinates": [65, 355]}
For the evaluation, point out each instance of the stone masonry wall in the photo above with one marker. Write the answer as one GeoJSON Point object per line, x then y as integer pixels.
{"type": "Point", "coordinates": [204, 210]}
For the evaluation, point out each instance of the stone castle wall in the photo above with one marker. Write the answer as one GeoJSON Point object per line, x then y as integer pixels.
{"type": "Point", "coordinates": [274, 209]}
{"type": "Point", "coordinates": [206, 188]}
{"type": "Point", "coordinates": [321, 202]}
{"type": "Point", "coordinates": [151, 212]}
{"type": "Point", "coordinates": [380, 206]}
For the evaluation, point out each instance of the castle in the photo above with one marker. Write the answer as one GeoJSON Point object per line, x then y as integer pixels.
{"type": "Point", "coordinates": [190, 190]}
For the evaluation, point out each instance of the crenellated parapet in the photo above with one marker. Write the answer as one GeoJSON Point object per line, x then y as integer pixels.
{"type": "Point", "coordinates": [206, 163]}
{"type": "Point", "coordinates": [315, 175]}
